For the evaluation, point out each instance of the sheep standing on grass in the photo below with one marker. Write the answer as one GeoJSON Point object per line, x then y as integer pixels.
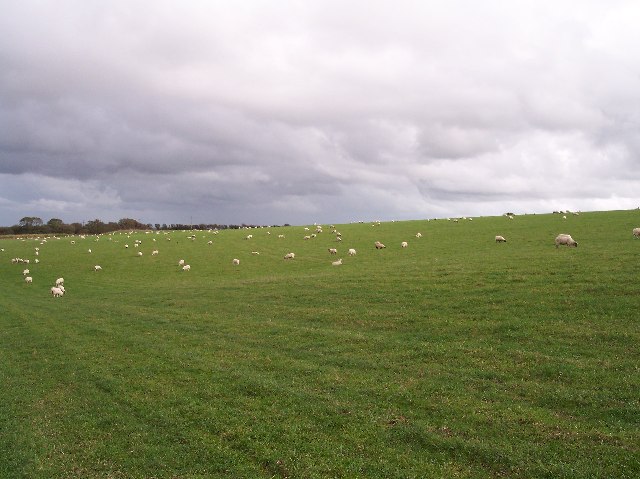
{"type": "Point", "coordinates": [565, 239]}
{"type": "Point", "coordinates": [352, 252]}
{"type": "Point", "coordinates": [59, 281]}
{"type": "Point", "coordinates": [290, 256]}
{"type": "Point", "coordinates": [500, 239]}
{"type": "Point", "coordinates": [186, 267]}
{"type": "Point", "coordinates": [181, 262]}
{"type": "Point", "coordinates": [404, 244]}
{"type": "Point", "coordinates": [28, 279]}
{"type": "Point", "coordinates": [56, 292]}
{"type": "Point", "coordinates": [97, 267]}
{"type": "Point", "coordinates": [333, 251]}
{"type": "Point", "coordinates": [25, 272]}
{"type": "Point", "coordinates": [636, 232]}
{"type": "Point", "coordinates": [236, 261]}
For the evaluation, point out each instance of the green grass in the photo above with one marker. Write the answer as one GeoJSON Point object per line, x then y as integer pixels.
{"type": "Point", "coordinates": [454, 357]}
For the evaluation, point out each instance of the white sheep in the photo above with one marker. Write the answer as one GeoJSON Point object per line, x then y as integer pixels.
{"type": "Point", "coordinates": [290, 256]}
{"type": "Point", "coordinates": [500, 239]}
{"type": "Point", "coordinates": [379, 245]}
{"type": "Point", "coordinates": [255, 252]}
{"type": "Point", "coordinates": [236, 261]}
{"type": "Point", "coordinates": [59, 281]}
{"type": "Point", "coordinates": [89, 250]}
{"type": "Point", "coordinates": [25, 272]}
{"type": "Point", "coordinates": [28, 279]}
{"type": "Point", "coordinates": [352, 252]}
{"type": "Point", "coordinates": [97, 267]}
{"type": "Point", "coordinates": [636, 232]}
{"type": "Point", "coordinates": [56, 292]}
{"type": "Point", "coordinates": [404, 244]}
{"type": "Point", "coordinates": [181, 262]}
{"type": "Point", "coordinates": [333, 251]}
{"type": "Point", "coordinates": [154, 252]}
{"type": "Point", "coordinates": [337, 263]}
{"type": "Point", "coordinates": [186, 267]}
{"type": "Point", "coordinates": [566, 239]}
{"type": "Point", "coordinates": [418, 235]}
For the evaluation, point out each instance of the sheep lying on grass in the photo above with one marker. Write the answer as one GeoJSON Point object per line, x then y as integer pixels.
{"type": "Point", "coordinates": [337, 263]}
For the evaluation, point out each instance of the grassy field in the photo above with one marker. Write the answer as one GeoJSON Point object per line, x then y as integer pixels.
{"type": "Point", "coordinates": [454, 357]}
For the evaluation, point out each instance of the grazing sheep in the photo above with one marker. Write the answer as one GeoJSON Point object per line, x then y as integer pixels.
{"type": "Point", "coordinates": [290, 256]}
{"type": "Point", "coordinates": [126, 246]}
{"type": "Point", "coordinates": [565, 239]}
{"type": "Point", "coordinates": [28, 279]}
{"type": "Point", "coordinates": [25, 272]}
{"type": "Point", "coordinates": [139, 253]}
{"type": "Point", "coordinates": [89, 250]}
{"type": "Point", "coordinates": [59, 281]}
{"type": "Point", "coordinates": [249, 237]}
{"type": "Point", "coordinates": [500, 239]}
{"type": "Point", "coordinates": [236, 261]}
{"type": "Point", "coordinates": [181, 262]}
{"type": "Point", "coordinates": [280, 236]}
{"type": "Point", "coordinates": [333, 251]}
{"type": "Point", "coordinates": [352, 252]}
{"type": "Point", "coordinates": [337, 263]}
{"type": "Point", "coordinates": [636, 232]}
{"type": "Point", "coordinates": [379, 245]}
{"type": "Point", "coordinates": [404, 244]}
{"type": "Point", "coordinates": [418, 235]}
{"type": "Point", "coordinates": [97, 267]}
{"type": "Point", "coordinates": [56, 292]}
{"type": "Point", "coordinates": [154, 252]}
{"type": "Point", "coordinates": [186, 267]}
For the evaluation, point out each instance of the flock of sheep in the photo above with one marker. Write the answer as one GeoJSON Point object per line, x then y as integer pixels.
{"type": "Point", "coordinates": [58, 289]}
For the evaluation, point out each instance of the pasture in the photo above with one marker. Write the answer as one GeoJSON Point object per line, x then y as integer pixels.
{"type": "Point", "coordinates": [453, 357]}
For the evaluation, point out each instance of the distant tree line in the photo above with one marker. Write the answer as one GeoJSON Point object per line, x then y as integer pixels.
{"type": "Point", "coordinates": [35, 225]}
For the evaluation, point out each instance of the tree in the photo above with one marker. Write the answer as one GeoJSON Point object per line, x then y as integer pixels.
{"type": "Point", "coordinates": [56, 225]}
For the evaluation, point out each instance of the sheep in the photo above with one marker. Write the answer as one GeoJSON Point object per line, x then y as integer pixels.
{"type": "Point", "coordinates": [636, 232]}
{"type": "Point", "coordinates": [56, 292]}
{"type": "Point", "coordinates": [28, 279]}
{"type": "Point", "coordinates": [89, 250]}
{"type": "Point", "coordinates": [181, 262]}
{"type": "Point", "coordinates": [154, 252]}
{"type": "Point", "coordinates": [418, 235]}
{"type": "Point", "coordinates": [97, 267]}
{"type": "Point", "coordinates": [139, 253]}
{"type": "Point", "coordinates": [337, 263]}
{"type": "Point", "coordinates": [333, 251]}
{"type": "Point", "coordinates": [565, 239]}
{"type": "Point", "coordinates": [306, 238]}
{"type": "Point", "coordinates": [25, 272]}
{"type": "Point", "coordinates": [280, 236]}
{"type": "Point", "coordinates": [186, 267]}
{"type": "Point", "coordinates": [249, 237]}
{"type": "Point", "coordinates": [236, 261]}
{"type": "Point", "coordinates": [59, 281]}
{"type": "Point", "coordinates": [404, 244]}
{"type": "Point", "coordinates": [500, 239]}
{"type": "Point", "coordinates": [290, 256]}
{"type": "Point", "coordinates": [379, 245]}
{"type": "Point", "coordinates": [255, 252]}
{"type": "Point", "coordinates": [352, 252]}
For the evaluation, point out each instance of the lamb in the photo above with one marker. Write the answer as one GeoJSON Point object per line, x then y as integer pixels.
{"type": "Point", "coordinates": [56, 292]}
{"type": "Point", "coordinates": [289, 256]}
{"type": "Point", "coordinates": [59, 281]}
{"type": "Point", "coordinates": [404, 244]}
{"type": "Point", "coordinates": [181, 262]}
{"type": "Point", "coordinates": [500, 239]}
{"type": "Point", "coordinates": [636, 232]}
{"type": "Point", "coordinates": [236, 261]}
{"type": "Point", "coordinates": [379, 245]}
{"type": "Point", "coordinates": [333, 251]}
{"type": "Point", "coordinates": [565, 239]}
{"type": "Point", "coordinates": [186, 267]}
{"type": "Point", "coordinates": [97, 267]}
{"type": "Point", "coordinates": [25, 272]}
{"type": "Point", "coordinates": [28, 279]}
{"type": "Point", "coordinates": [352, 252]}
{"type": "Point", "coordinates": [337, 263]}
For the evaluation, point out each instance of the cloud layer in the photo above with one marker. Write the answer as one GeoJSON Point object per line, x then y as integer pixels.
{"type": "Point", "coordinates": [302, 111]}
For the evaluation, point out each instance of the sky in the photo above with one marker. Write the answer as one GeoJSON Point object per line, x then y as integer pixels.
{"type": "Point", "coordinates": [316, 111]}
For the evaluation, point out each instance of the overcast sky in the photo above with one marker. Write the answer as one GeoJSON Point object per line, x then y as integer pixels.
{"type": "Point", "coordinates": [273, 112]}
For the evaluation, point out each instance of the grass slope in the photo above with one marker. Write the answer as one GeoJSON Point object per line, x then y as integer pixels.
{"type": "Point", "coordinates": [454, 357]}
